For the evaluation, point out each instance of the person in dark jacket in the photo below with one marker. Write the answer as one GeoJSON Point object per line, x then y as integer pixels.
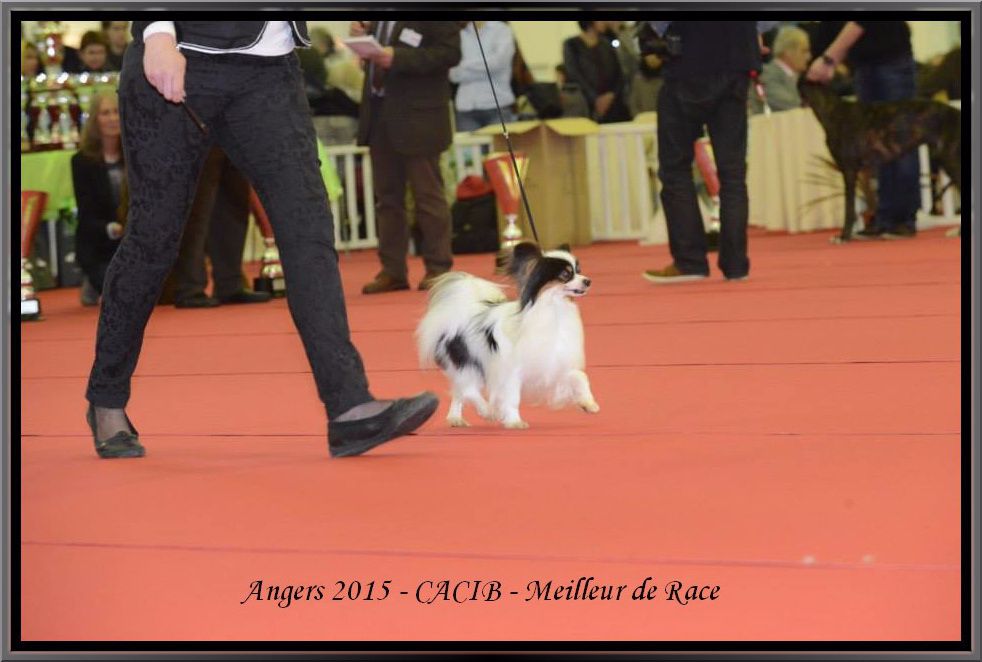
{"type": "Point", "coordinates": [185, 84]}
{"type": "Point", "coordinates": [707, 73]}
{"type": "Point", "coordinates": [98, 177]}
{"type": "Point", "coordinates": [592, 64]}
{"type": "Point", "coordinates": [405, 121]}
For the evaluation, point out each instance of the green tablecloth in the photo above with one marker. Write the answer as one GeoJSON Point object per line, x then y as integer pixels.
{"type": "Point", "coordinates": [51, 172]}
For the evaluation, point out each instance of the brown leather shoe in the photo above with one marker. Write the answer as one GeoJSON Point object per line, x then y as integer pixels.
{"type": "Point", "coordinates": [384, 283]}
{"type": "Point", "coordinates": [428, 279]}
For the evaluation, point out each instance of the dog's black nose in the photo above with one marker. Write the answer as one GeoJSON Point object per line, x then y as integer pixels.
{"type": "Point", "coordinates": [586, 282]}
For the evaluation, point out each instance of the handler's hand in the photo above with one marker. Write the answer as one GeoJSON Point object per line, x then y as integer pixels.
{"type": "Point", "coordinates": [384, 59]}
{"type": "Point", "coordinates": [820, 71]}
{"type": "Point", "coordinates": [114, 230]}
{"type": "Point", "coordinates": [764, 50]}
{"type": "Point", "coordinates": [164, 66]}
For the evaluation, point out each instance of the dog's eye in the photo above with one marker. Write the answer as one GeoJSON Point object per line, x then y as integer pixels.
{"type": "Point", "coordinates": [566, 275]}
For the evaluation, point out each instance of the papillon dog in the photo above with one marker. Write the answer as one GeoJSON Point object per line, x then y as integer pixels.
{"type": "Point", "coordinates": [528, 349]}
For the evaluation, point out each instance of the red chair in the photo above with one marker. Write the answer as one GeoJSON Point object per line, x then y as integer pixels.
{"type": "Point", "coordinates": [32, 204]}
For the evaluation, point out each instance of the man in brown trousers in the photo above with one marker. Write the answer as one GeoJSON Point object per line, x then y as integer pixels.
{"type": "Point", "coordinates": [405, 121]}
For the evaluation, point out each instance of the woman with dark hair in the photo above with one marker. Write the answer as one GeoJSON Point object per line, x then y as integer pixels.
{"type": "Point", "coordinates": [592, 65]}
{"type": "Point", "coordinates": [99, 178]}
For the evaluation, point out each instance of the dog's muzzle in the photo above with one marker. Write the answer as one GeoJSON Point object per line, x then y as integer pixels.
{"type": "Point", "coordinates": [578, 287]}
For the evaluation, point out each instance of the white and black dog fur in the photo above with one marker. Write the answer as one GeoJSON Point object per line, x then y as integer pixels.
{"type": "Point", "coordinates": [529, 349]}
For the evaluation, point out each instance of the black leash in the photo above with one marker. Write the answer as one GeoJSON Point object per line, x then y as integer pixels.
{"type": "Point", "coordinates": [504, 129]}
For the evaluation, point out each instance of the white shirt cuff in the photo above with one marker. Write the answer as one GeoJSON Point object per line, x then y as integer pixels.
{"type": "Point", "coordinates": [160, 26]}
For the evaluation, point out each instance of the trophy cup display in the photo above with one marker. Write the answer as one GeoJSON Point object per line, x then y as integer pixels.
{"type": "Point", "coordinates": [707, 169]}
{"type": "Point", "coordinates": [271, 277]}
{"type": "Point", "coordinates": [31, 205]}
{"type": "Point", "coordinates": [501, 172]}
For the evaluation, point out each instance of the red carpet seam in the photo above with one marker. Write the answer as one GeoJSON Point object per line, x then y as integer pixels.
{"type": "Point", "coordinates": [755, 563]}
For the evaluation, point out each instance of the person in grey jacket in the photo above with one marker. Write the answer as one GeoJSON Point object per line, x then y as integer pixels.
{"type": "Point", "coordinates": [779, 77]}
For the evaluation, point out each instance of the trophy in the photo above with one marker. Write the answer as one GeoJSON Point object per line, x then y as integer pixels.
{"type": "Point", "coordinates": [507, 192]}
{"type": "Point", "coordinates": [84, 102]}
{"type": "Point", "coordinates": [707, 168]}
{"type": "Point", "coordinates": [66, 123]}
{"type": "Point", "coordinates": [56, 121]}
{"type": "Point", "coordinates": [52, 47]}
{"type": "Point", "coordinates": [31, 206]}
{"type": "Point", "coordinates": [271, 277]}
{"type": "Point", "coordinates": [42, 121]}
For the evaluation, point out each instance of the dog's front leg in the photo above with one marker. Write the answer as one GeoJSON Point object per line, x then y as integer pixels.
{"type": "Point", "coordinates": [507, 397]}
{"type": "Point", "coordinates": [849, 179]}
{"type": "Point", "coordinates": [582, 393]}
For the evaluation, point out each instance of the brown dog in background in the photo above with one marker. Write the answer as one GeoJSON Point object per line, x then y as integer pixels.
{"type": "Point", "coordinates": [864, 136]}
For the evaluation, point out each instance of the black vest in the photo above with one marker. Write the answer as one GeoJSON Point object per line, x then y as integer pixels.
{"type": "Point", "coordinates": [224, 36]}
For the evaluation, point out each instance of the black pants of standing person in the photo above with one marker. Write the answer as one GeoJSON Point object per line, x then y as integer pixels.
{"type": "Point", "coordinates": [685, 105]}
{"type": "Point", "coordinates": [255, 109]}
{"type": "Point", "coordinates": [216, 226]}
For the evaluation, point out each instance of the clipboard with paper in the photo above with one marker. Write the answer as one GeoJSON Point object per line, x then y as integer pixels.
{"type": "Point", "coordinates": [365, 46]}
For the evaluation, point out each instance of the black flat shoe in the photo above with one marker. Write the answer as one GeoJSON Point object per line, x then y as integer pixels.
{"type": "Point", "coordinates": [122, 444]}
{"type": "Point", "coordinates": [197, 301]}
{"type": "Point", "coordinates": [245, 296]}
{"type": "Point", "coordinates": [400, 418]}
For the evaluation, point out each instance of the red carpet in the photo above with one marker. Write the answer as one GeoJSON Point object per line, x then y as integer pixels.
{"type": "Point", "coordinates": [793, 439]}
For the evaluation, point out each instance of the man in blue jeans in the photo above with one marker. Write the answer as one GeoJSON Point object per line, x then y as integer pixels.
{"type": "Point", "coordinates": [881, 56]}
{"type": "Point", "coordinates": [707, 75]}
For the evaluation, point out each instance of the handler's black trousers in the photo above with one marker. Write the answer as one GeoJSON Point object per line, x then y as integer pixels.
{"type": "Point", "coordinates": [255, 109]}
{"type": "Point", "coordinates": [718, 102]}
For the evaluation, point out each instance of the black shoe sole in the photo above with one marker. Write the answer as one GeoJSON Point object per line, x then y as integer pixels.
{"type": "Point", "coordinates": [397, 288]}
{"type": "Point", "coordinates": [247, 299]}
{"type": "Point", "coordinates": [205, 304]}
{"type": "Point", "coordinates": [110, 453]}
{"type": "Point", "coordinates": [399, 429]}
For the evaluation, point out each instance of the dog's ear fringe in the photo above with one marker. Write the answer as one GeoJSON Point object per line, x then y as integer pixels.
{"type": "Point", "coordinates": [521, 255]}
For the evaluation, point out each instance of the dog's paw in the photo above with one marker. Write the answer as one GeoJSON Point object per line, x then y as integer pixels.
{"type": "Point", "coordinates": [590, 406]}
{"type": "Point", "coordinates": [457, 422]}
{"type": "Point", "coordinates": [486, 413]}
{"type": "Point", "coordinates": [837, 239]}
{"type": "Point", "coordinates": [516, 425]}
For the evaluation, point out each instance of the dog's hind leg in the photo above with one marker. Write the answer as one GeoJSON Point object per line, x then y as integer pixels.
{"type": "Point", "coordinates": [455, 417]}
{"type": "Point", "coordinates": [583, 397]}
{"type": "Point", "coordinates": [465, 387]}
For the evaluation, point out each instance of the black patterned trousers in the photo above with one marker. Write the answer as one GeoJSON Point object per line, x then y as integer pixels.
{"type": "Point", "coordinates": [255, 109]}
